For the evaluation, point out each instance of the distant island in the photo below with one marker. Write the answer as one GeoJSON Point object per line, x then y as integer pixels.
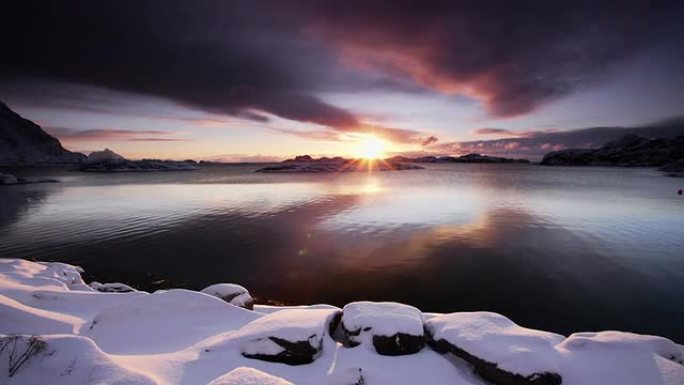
{"type": "Point", "coordinates": [305, 163]}
{"type": "Point", "coordinates": [468, 158]}
{"type": "Point", "coordinates": [109, 161]}
{"type": "Point", "coordinates": [629, 151]}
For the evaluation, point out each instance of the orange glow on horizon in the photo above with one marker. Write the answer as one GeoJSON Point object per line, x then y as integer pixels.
{"type": "Point", "coordinates": [371, 147]}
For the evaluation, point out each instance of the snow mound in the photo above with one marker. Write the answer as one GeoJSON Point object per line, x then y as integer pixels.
{"type": "Point", "coordinates": [49, 275]}
{"type": "Point", "coordinates": [395, 328]}
{"type": "Point", "coordinates": [163, 321]}
{"type": "Point", "coordinates": [618, 358]}
{"type": "Point", "coordinates": [248, 376]}
{"type": "Point", "coordinates": [497, 347]}
{"type": "Point", "coordinates": [63, 360]}
{"type": "Point", "coordinates": [660, 346]}
{"type": "Point", "coordinates": [84, 305]}
{"type": "Point", "coordinates": [293, 336]}
{"type": "Point", "coordinates": [17, 318]}
{"type": "Point", "coordinates": [231, 293]}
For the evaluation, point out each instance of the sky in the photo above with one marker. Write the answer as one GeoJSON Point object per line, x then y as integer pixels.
{"type": "Point", "coordinates": [266, 80]}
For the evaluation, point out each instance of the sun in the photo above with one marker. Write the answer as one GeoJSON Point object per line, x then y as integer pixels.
{"type": "Point", "coordinates": [371, 148]}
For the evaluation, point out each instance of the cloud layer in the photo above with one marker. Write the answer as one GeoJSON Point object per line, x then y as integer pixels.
{"type": "Point", "coordinates": [254, 59]}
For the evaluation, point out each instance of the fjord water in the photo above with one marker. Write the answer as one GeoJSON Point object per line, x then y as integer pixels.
{"type": "Point", "coordinates": [562, 249]}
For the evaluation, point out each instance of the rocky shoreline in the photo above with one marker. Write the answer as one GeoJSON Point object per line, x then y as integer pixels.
{"type": "Point", "coordinates": [113, 334]}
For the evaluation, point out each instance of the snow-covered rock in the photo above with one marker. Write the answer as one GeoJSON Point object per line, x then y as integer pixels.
{"type": "Point", "coordinates": [394, 328]}
{"type": "Point", "coordinates": [231, 293]}
{"type": "Point", "coordinates": [112, 287]}
{"type": "Point", "coordinates": [293, 337]}
{"type": "Point", "coordinates": [499, 350]}
{"type": "Point", "coordinates": [248, 376]}
{"type": "Point", "coordinates": [163, 321]}
{"type": "Point", "coordinates": [62, 360]}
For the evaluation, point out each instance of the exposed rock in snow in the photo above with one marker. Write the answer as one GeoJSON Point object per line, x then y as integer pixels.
{"type": "Point", "coordinates": [231, 293]}
{"type": "Point", "coordinates": [23, 142]}
{"type": "Point", "coordinates": [394, 329]}
{"type": "Point", "coordinates": [113, 287]}
{"type": "Point", "coordinates": [499, 350]}
{"type": "Point", "coordinates": [105, 155]}
{"type": "Point", "coordinates": [64, 360]}
{"type": "Point", "coordinates": [248, 376]}
{"type": "Point", "coordinates": [187, 317]}
{"type": "Point", "coordinates": [293, 337]}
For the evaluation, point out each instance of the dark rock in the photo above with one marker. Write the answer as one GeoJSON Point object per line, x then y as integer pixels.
{"type": "Point", "coordinates": [24, 143]}
{"type": "Point", "coordinates": [294, 352]}
{"type": "Point", "coordinates": [398, 345]}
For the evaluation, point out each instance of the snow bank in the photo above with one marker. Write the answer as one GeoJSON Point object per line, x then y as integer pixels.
{"type": "Point", "coordinates": [17, 318]}
{"type": "Point", "coordinates": [163, 321]}
{"type": "Point", "coordinates": [394, 328]}
{"type": "Point", "coordinates": [182, 337]}
{"type": "Point", "coordinates": [64, 360]}
{"type": "Point", "coordinates": [29, 276]}
{"type": "Point", "coordinates": [619, 358]}
{"type": "Point", "coordinates": [231, 293]}
{"type": "Point", "coordinates": [248, 376]}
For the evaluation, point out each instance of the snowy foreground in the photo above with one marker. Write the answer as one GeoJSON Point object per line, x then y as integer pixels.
{"type": "Point", "coordinates": [55, 329]}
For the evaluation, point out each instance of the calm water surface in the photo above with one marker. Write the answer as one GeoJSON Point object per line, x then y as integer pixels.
{"type": "Point", "coordinates": [563, 249]}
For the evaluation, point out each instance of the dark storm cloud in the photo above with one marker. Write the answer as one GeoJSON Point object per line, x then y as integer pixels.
{"type": "Point", "coordinates": [512, 56]}
{"type": "Point", "coordinates": [537, 143]}
{"type": "Point", "coordinates": [254, 58]}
